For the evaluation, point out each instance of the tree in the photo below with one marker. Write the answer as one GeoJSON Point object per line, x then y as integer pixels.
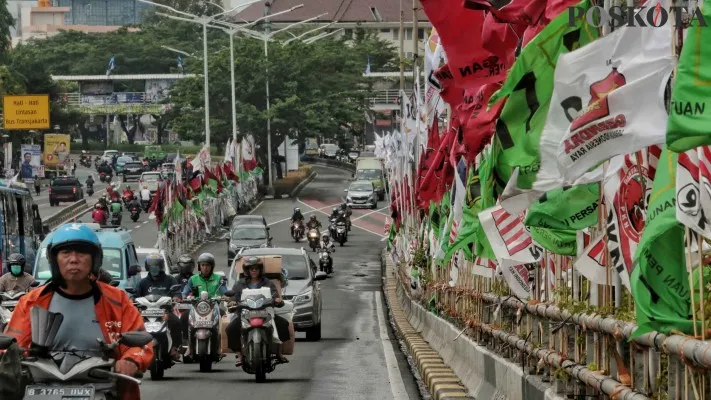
{"type": "Point", "coordinates": [6, 22]}
{"type": "Point", "coordinates": [131, 127]}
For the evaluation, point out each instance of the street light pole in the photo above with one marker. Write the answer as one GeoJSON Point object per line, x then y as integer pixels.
{"type": "Point", "coordinates": [232, 72]}
{"type": "Point", "coordinates": [207, 90]}
{"type": "Point", "coordinates": [269, 119]}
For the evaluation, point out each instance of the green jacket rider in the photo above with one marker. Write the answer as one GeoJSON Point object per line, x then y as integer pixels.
{"type": "Point", "coordinates": [205, 279]}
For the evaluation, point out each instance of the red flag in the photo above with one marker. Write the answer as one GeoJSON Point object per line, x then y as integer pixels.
{"type": "Point", "coordinates": [502, 38]}
{"type": "Point", "coordinates": [434, 181]}
{"type": "Point", "coordinates": [476, 123]}
{"type": "Point", "coordinates": [520, 12]}
{"type": "Point", "coordinates": [459, 30]}
{"type": "Point", "coordinates": [426, 158]}
{"type": "Point", "coordinates": [230, 173]}
{"type": "Point", "coordinates": [195, 184]}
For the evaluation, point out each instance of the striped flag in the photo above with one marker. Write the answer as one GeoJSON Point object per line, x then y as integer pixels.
{"type": "Point", "coordinates": [460, 194]}
{"type": "Point", "coordinates": [508, 237]}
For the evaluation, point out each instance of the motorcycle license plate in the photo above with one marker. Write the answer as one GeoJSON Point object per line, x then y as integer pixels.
{"type": "Point", "coordinates": [59, 392]}
{"type": "Point", "coordinates": [183, 306]}
{"type": "Point", "coordinates": [152, 313]}
{"type": "Point", "coordinates": [256, 314]}
{"type": "Point", "coordinates": [9, 303]}
{"type": "Point", "coordinates": [203, 324]}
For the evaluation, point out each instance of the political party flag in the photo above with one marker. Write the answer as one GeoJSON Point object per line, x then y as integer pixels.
{"type": "Point", "coordinates": [529, 88]}
{"type": "Point", "coordinates": [688, 124]}
{"type": "Point", "coordinates": [659, 280]}
{"type": "Point", "coordinates": [609, 100]}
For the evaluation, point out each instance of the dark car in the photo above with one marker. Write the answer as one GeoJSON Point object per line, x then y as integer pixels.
{"type": "Point", "coordinates": [302, 288]}
{"type": "Point", "coordinates": [132, 171]}
{"type": "Point", "coordinates": [247, 237]}
{"type": "Point", "coordinates": [65, 188]}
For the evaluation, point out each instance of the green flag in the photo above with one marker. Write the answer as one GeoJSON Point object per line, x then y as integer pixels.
{"type": "Point", "coordinates": [470, 222]}
{"type": "Point", "coordinates": [659, 281]}
{"type": "Point", "coordinates": [688, 124]}
{"type": "Point", "coordinates": [529, 87]}
{"type": "Point", "coordinates": [556, 216]}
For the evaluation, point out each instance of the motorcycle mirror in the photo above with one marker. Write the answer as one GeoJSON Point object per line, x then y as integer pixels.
{"type": "Point", "coordinates": [130, 290]}
{"type": "Point", "coordinates": [230, 293]}
{"type": "Point", "coordinates": [34, 284]}
{"type": "Point", "coordinates": [6, 341]}
{"type": "Point", "coordinates": [133, 270]}
{"type": "Point", "coordinates": [175, 288]}
{"type": "Point", "coordinates": [320, 276]}
{"type": "Point", "coordinates": [135, 339]}
{"type": "Point", "coordinates": [115, 283]}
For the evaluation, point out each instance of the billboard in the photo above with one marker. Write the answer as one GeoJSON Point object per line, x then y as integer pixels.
{"type": "Point", "coordinates": [25, 112]}
{"type": "Point", "coordinates": [30, 165]}
{"type": "Point", "coordinates": [56, 149]}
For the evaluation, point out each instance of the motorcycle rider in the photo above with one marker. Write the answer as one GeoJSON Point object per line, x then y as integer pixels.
{"type": "Point", "coordinates": [327, 244]}
{"type": "Point", "coordinates": [186, 268]}
{"type": "Point", "coordinates": [146, 194]}
{"type": "Point", "coordinates": [253, 270]}
{"type": "Point", "coordinates": [91, 309]}
{"type": "Point", "coordinates": [158, 282]}
{"type": "Point", "coordinates": [313, 223]}
{"type": "Point", "coordinates": [99, 215]}
{"type": "Point", "coordinates": [345, 208]}
{"type": "Point", "coordinates": [128, 193]}
{"type": "Point", "coordinates": [297, 216]}
{"type": "Point", "coordinates": [17, 280]}
{"type": "Point", "coordinates": [134, 203]}
{"type": "Point", "coordinates": [334, 213]}
{"type": "Point", "coordinates": [116, 209]}
{"type": "Point", "coordinates": [90, 181]}
{"type": "Point", "coordinates": [204, 280]}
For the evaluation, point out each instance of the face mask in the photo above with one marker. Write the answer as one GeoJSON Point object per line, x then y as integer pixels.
{"type": "Point", "coordinates": [154, 270]}
{"type": "Point", "coordinates": [16, 269]}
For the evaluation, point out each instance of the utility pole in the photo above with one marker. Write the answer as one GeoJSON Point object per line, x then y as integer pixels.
{"type": "Point", "coordinates": [402, 48]}
{"type": "Point", "coordinates": [267, 11]}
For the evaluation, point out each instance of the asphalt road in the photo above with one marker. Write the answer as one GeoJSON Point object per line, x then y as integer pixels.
{"type": "Point", "coordinates": [357, 357]}
{"type": "Point", "coordinates": [82, 173]}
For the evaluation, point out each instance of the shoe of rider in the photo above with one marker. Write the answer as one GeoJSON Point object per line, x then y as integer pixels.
{"type": "Point", "coordinates": [91, 309]}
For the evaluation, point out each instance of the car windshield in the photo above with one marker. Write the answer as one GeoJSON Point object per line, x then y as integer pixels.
{"type": "Point", "coordinates": [368, 174]}
{"type": "Point", "coordinates": [361, 187]}
{"type": "Point", "coordinates": [295, 266]}
{"type": "Point", "coordinates": [245, 221]}
{"type": "Point", "coordinates": [133, 165]}
{"type": "Point", "coordinates": [150, 177]}
{"type": "Point", "coordinates": [123, 160]}
{"type": "Point", "coordinates": [113, 264]}
{"type": "Point", "coordinates": [249, 234]}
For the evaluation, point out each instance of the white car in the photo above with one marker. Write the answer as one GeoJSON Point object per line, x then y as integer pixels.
{"type": "Point", "coordinates": [150, 180]}
{"type": "Point", "coordinates": [108, 155]}
{"type": "Point", "coordinates": [143, 252]}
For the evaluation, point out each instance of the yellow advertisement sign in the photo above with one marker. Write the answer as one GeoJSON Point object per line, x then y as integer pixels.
{"type": "Point", "coordinates": [56, 149]}
{"type": "Point", "coordinates": [26, 112]}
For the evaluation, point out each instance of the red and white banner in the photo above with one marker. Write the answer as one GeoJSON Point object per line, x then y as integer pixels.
{"type": "Point", "coordinates": [508, 237]}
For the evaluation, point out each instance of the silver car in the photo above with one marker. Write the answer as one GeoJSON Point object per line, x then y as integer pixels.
{"type": "Point", "coordinates": [247, 236]}
{"type": "Point", "coordinates": [302, 288]}
{"type": "Point", "coordinates": [361, 194]}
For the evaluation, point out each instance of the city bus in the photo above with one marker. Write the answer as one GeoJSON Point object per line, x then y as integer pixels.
{"type": "Point", "coordinates": [21, 225]}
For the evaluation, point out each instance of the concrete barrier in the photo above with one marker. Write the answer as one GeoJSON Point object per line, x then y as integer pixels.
{"type": "Point", "coordinates": [330, 163]}
{"type": "Point", "coordinates": [75, 210]}
{"type": "Point", "coordinates": [444, 347]}
{"type": "Point", "coordinates": [303, 184]}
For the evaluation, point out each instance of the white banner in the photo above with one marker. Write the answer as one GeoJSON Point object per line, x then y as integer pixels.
{"type": "Point", "coordinates": [518, 277]}
{"type": "Point", "coordinates": [608, 100]}
{"type": "Point", "coordinates": [508, 237]}
{"type": "Point", "coordinates": [484, 267]}
{"type": "Point", "coordinates": [592, 264]}
{"type": "Point", "coordinates": [689, 193]}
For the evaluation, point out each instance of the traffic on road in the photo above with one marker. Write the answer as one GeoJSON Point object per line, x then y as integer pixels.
{"type": "Point", "coordinates": [288, 294]}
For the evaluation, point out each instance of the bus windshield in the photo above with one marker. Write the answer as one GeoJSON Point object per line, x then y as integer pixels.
{"type": "Point", "coordinates": [17, 228]}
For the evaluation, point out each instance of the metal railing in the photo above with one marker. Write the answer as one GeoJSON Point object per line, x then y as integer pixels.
{"type": "Point", "coordinates": [78, 99]}
{"type": "Point", "coordinates": [390, 96]}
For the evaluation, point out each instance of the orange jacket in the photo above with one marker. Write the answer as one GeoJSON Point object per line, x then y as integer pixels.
{"type": "Point", "coordinates": [115, 312]}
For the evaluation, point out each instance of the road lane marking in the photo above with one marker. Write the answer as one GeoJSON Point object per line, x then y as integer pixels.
{"type": "Point", "coordinates": [313, 209]}
{"type": "Point", "coordinates": [369, 213]}
{"type": "Point", "coordinates": [256, 207]}
{"type": "Point", "coordinates": [397, 385]}
{"type": "Point", "coordinates": [327, 214]}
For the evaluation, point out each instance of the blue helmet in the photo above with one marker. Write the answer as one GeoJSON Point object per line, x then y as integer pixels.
{"type": "Point", "coordinates": [76, 236]}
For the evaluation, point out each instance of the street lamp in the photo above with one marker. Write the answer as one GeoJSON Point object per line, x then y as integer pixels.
{"type": "Point", "coordinates": [204, 21]}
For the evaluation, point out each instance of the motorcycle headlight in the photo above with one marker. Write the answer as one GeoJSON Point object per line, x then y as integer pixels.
{"type": "Point", "coordinates": [304, 297]}
{"type": "Point", "coordinates": [252, 303]}
{"type": "Point", "coordinates": [203, 308]}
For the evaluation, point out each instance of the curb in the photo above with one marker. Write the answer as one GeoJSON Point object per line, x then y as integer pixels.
{"type": "Point", "coordinates": [301, 185]}
{"type": "Point", "coordinates": [441, 382]}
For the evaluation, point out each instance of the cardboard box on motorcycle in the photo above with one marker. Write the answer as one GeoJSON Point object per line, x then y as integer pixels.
{"type": "Point", "coordinates": [272, 270]}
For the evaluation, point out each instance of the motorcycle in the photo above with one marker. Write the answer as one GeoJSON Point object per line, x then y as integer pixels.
{"type": "Point", "coordinates": [135, 213]}
{"type": "Point", "coordinates": [332, 228]}
{"type": "Point", "coordinates": [204, 334]}
{"type": "Point", "coordinates": [116, 219]}
{"type": "Point", "coordinates": [8, 302]}
{"type": "Point", "coordinates": [341, 233]}
{"type": "Point", "coordinates": [89, 377]}
{"type": "Point", "coordinates": [146, 205]}
{"type": "Point", "coordinates": [154, 308]}
{"type": "Point", "coordinates": [90, 190]}
{"type": "Point", "coordinates": [325, 262]}
{"type": "Point", "coordinates": [85, 162]}
{"type": "Point", "coordinates": [127, 196]}
{"type": "Point", "coordinates": [314, 238]}
{"type": "Point", "coordinates": [104, 177]}
{"type": "Point", "coordinates": [259, 336]}
{"type": "Point", "coordinates": [297, 230]}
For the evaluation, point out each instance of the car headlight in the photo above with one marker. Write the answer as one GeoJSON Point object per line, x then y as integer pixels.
{"type": "Point", "coordinates": [251, 303]}
{"type": "Point", "coordinates": [304, 297]}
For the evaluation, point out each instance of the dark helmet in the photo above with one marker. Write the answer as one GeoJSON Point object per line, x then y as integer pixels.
{"type": "Point", "coordinates": [78, 237]}
{"type": "Point", "coordinates": [252, 262]}
{"type": "Point", "coordinates": [335, 210]}
{"type": "Point", "coordinates": [313, 218]}
{"type": "Point", "coordinates": [16, 259]}
{"type": "Point", "coordinates": [155, 264]}
{"type": "Point", "coordinates": [186, 264]}
{"type": "Point", "coordinates": [343, 206]}
{"type": "Point", "coordinates": [325, 237]}
{"type": "Point", "coordinates": [206, 258]}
